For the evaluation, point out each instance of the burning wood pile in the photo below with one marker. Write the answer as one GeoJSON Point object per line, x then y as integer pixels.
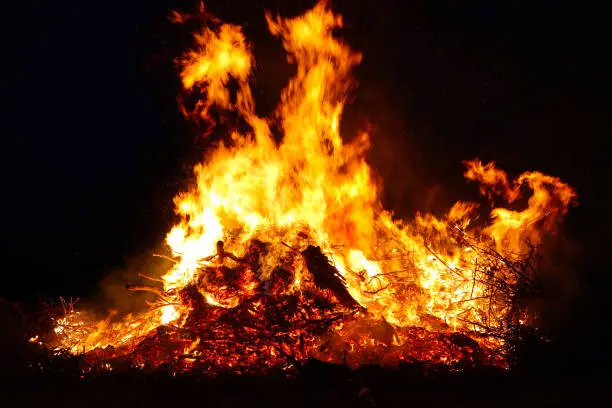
{"type": "Point", "coordinates": [273, 325]}
{"type": "Point", "coordinates": [284, 252]}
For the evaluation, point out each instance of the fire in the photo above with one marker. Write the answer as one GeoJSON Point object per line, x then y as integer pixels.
{"type": "Point", "coordinates": [257, 204]}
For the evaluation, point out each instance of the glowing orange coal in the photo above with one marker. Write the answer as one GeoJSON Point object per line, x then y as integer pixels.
{"type": "Point", "coordinates": [419, 282]}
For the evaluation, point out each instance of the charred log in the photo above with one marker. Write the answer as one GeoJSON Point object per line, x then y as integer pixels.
{"type": "Point", "coordinates": [326, 276]}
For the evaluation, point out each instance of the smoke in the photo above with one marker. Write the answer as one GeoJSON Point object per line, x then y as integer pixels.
{"type": "Point", "coordinates": [114, 294]}
{"type": "Point", "coordinates": [557, 265]}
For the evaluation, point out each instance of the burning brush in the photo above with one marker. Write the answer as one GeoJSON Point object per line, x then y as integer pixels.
{"type": "Point", "coordinates": [284, 252]}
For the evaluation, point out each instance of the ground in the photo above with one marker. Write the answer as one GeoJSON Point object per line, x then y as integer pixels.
{"type": "Point", "coordinates": [367, 387]}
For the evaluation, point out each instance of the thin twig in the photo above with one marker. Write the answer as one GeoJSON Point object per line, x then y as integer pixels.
{"type": "Point", "coordinates": [142, 275]}
{"type": "Point", "coordinates": [166, 258]}
{"type": "Point", "coordinates": [291, 248]}
{"type": "Point", "coordinates": [142, 288]}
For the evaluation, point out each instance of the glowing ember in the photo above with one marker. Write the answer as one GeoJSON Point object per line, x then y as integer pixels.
{"type": "Point", "coordinates": [251, 289]}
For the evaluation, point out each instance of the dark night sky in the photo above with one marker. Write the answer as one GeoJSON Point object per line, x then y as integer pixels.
{"type": "Point", "coordinates": [94, 149]}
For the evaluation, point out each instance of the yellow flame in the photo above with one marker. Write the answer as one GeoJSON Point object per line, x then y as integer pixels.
{"type": "Point", "coordinates": [410, 273]}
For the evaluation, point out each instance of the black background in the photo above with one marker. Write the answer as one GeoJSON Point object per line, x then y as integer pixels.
{"type": "Point", "coordinates": [94, 148]}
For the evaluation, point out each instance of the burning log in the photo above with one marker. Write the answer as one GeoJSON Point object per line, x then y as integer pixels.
{"type": "Point", "coordinates": [222, 254]}
{"type": "Point", "coordinates": [326, 276]}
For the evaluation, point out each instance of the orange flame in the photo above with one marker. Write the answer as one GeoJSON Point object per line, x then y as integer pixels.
{"type": "Point", "coordinates": [314, 188]}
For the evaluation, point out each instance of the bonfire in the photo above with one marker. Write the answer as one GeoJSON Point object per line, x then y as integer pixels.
{"type": "Point", "coordinates": [284, 253]}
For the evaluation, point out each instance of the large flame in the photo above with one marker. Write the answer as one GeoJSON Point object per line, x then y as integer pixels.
{"type": "Point", "coordinates": [313, 188]}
